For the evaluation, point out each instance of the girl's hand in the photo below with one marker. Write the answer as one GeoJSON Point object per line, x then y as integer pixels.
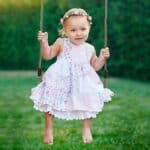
{"type": "Point", "coordinates": [105, 53]}
{"type": "Point", "coordinates": [42, 36]}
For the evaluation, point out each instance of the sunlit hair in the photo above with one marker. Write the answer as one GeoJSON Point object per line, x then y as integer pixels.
{"type": "Point", "coordinates": [73, 12]}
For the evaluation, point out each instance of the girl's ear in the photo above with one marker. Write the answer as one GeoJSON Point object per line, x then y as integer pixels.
{"type": "Point", "coordinates": [62, 32]}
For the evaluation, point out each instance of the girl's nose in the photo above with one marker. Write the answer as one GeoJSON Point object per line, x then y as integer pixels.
{"type": "Point", "coordinates": [78, 33]}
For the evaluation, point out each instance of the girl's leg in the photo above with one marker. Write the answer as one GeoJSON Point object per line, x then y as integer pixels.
{"type": "Point", "coordinates": [48, 131]}
{"type": "Point", "coordinates": [86, 131]}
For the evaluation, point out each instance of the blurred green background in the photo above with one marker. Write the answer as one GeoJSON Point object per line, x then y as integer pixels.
{"type": "Point", "coordinates": [128, 33]}
{"type": "Point", "coordinates": [124, 123]}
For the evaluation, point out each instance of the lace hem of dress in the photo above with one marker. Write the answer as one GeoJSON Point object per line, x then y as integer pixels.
{"type": "Point", "coordinates": [72, 115]}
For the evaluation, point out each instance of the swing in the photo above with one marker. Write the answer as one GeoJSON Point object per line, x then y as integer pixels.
{"type": "Point", "coordinates": [105, 40]}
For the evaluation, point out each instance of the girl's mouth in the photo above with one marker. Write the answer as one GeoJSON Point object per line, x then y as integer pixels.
{"type": "Point", "coordinates": [78, 38]}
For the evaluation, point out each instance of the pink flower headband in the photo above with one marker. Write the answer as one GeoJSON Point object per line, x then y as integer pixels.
{"type": "Point", "coordinates": [89, 18]}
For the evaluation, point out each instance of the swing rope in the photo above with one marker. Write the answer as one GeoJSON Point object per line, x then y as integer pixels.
{"type": "Point", "coordinates": [41, 29]}
{"type": "Point", "coordinates": [105, 41]}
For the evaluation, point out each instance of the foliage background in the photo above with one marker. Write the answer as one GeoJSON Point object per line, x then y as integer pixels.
{"type": "Point", "coordinates": [124, 123]}
{"type": "Point", "coordinates": [128, 33]}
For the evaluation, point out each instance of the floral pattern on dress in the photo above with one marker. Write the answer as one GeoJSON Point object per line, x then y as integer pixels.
{"type": "Point", "coordinates": [70, 88]}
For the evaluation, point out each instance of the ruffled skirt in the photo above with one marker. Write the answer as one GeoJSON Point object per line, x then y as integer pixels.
{"type": "Point", "coordinates": [70, 97]}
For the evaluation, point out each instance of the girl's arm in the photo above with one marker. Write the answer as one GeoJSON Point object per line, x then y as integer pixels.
{"type": "Point", "coordinates": [98, 62]}
{"type": "Point", "coordinates": [49, 51]}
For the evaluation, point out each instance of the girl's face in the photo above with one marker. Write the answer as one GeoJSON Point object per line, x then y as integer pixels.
{"type": "Point", "coordinates": [77, 29]}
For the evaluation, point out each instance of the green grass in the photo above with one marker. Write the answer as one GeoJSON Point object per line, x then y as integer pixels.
{"type": "Point", "coordinates": [122, 125]}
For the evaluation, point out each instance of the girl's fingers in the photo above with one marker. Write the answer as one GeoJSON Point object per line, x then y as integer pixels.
{"type": "Point", "coordinates": [45, 33]}
{"type": "Point", "coordinates": [105, 52]}
{"type": "Point", "coordinates": [42, 36]}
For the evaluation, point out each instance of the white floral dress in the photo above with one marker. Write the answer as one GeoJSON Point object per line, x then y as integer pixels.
{"type": "Point", "coordinates": [70, 88]}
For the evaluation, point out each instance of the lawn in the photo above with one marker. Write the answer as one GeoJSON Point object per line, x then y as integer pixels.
{"type": "Point", "coordinates": [122, 125]}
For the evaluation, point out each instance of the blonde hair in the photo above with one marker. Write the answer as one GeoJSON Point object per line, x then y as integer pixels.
{"type": "Point", "coordinates": [73, 12]}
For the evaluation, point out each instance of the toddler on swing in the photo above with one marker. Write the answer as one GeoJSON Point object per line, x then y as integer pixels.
{"type": "Point", "coordinates": [70, 88]}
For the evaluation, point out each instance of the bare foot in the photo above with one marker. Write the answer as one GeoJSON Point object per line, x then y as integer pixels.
{"type": "Point", "coordinates": [86, 135]}
{"type": "Point", "coordinates": [48, 136]}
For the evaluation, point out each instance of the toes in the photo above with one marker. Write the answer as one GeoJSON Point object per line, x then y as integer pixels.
{"type": "Point", "coordinates": [48, 143]}
{"type": "Point", "coordinates": [85, 140]}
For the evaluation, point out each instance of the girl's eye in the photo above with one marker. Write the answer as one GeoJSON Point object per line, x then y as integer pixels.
{"type": "Point", "coordinates": [73, 30]}
{"type": "Point", "coordinates": [83, 29]}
